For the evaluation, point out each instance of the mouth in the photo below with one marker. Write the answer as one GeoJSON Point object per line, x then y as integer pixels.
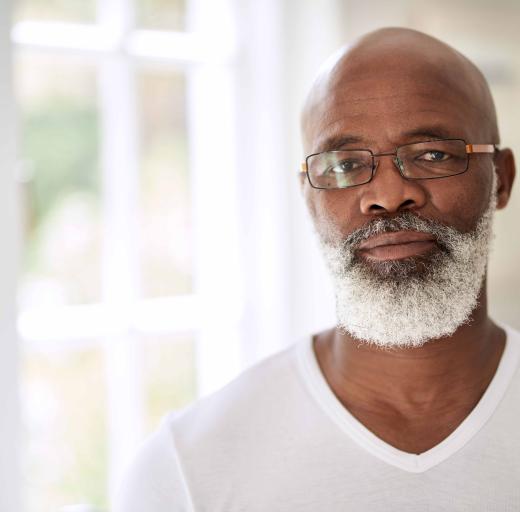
{"type": "Point", "coordinates": [397, 245]}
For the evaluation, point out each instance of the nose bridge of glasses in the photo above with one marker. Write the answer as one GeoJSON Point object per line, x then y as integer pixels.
{"type": "Point", "coordinates": [396, 160]}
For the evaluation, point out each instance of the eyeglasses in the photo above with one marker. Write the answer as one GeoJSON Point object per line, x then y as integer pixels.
{"type": "Point", "coordinates": [417, 161]}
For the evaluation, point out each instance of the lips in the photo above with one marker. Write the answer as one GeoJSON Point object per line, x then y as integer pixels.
{"type": "Point", "coordinates": [397, 245]}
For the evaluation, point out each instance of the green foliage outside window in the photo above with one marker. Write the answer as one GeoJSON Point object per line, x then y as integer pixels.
{"type": "Point", "coordinates": [60, 140]}
{"type": "Point", "coordinates": [62, 195]}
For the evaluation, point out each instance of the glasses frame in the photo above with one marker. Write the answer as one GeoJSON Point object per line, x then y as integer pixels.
{"type": "Point", "coordinates": [470, 149]}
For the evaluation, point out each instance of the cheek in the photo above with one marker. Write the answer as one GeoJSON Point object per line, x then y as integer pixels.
{"type": "Point", "coordinates": [461, 200]}
{"type": "Point", "coordinates": [333, 212]}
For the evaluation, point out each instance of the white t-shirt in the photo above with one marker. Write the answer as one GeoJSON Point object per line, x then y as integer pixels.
{"type": "Point", "coordinates": [277, 439]}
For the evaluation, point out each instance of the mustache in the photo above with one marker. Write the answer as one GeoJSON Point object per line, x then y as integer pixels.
{"type": "Point", "coordinates": [405, 221]}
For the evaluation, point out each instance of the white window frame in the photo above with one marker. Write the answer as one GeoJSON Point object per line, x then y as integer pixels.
{"type": "Point", "coordinates": [10, 425]}
{"type": "Point", "coordinates": [207, 52]}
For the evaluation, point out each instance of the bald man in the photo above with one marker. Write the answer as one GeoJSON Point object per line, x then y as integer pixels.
{"type": "Point", "coordinates": [412, 401]}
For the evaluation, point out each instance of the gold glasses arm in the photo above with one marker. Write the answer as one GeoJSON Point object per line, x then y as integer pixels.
{"type": "Point", "coordinates": [480, 148]}
{"type": "Point", "coordinates": [303, 168]}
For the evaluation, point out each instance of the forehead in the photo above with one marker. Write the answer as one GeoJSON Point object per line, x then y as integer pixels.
{"type": "Point", "coordinates": [390, 105]}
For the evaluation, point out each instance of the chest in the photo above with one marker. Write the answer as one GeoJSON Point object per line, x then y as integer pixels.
{"type": "Point", "coordinates": [334, 474]}
{"type": "Point", "coordinates": [415, 433]}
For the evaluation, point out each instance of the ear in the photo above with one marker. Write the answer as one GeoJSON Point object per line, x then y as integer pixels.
{"type": "Point", "coordinates": [505, 169]}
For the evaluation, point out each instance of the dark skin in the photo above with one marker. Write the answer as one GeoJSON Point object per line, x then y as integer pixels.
{"type": "Point", "coordinates": [394, 87]}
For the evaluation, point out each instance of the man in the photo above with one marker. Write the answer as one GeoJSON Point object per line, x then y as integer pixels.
{"type": "Point", "coordinates": [412, 401]}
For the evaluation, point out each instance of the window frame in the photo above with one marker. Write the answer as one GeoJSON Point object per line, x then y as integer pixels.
{"type": "Point", "coordinates": [10, 426]}
{"type": "Point", "coordinates": [116, 47]}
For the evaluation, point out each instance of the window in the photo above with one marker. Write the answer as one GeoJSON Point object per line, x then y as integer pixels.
{"type": "Point", "coordinates": [115, 194]}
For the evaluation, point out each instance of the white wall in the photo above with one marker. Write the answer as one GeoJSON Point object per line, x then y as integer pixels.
{"type": "Point", "coordinates": [10, 500]}
{"type": "Point", "coordinates": [314, 31]}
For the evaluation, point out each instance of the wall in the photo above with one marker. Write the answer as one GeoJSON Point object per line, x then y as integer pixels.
{"type": "Point", "coordinates": [10, 500]}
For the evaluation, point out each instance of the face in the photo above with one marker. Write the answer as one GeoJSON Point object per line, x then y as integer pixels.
{"type": "Point", "coordinates": [393, 272]}
{"type": "Point", "coordinates": [379, 113]}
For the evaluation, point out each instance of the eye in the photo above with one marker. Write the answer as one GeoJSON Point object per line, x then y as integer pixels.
{"type": "Point", "coordinates": [434, 156]}
{"type": "Point", "coordinates": [346, 166]}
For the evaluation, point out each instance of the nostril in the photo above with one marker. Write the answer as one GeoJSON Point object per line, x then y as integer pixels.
{"type": "Point", "coordinates": [408, 203]}
{"type": "Point", "coordinates": [405, 205]}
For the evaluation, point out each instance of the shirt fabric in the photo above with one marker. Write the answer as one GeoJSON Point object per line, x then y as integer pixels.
{"type": "Point", "coordinates": [278, 439]}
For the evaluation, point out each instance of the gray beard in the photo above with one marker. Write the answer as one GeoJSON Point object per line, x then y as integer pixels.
{"type": "Point", "coordinates": [407, 302]}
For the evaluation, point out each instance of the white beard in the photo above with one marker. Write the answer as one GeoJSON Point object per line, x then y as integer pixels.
{"type": "Point", "coordinates": [405, 303]}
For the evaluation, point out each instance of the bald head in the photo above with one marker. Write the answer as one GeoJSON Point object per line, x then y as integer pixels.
{"type": "Point", "coordinates": [394, 62]}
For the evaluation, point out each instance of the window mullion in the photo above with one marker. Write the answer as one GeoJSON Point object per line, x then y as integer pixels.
{"type": "Point", "coordinates": [117, 17]}
{"type": "Point", "coordinates": [121, 280]}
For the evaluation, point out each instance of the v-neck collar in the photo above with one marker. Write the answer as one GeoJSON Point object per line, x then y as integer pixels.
{"type": "Point", "coordinates": [415, 463]}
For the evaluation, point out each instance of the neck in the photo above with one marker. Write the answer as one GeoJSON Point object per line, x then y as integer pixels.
{"type": "Point", "coordinates": [444, 372]}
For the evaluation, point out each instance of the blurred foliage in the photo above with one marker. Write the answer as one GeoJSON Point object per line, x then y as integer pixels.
{"type": "Point", "coordinates": [60, 144]}
{"type": "Point", "coordinates": [161, 14]}
{"type": "Point", "coordinates": [64, 401]}
{"type": "Point", "coordinates": [61, 196]}
{"type": "Point", "coordinates": [58, 10]}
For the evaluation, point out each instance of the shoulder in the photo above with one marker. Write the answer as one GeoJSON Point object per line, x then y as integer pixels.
{"type": "Point", "coordinates": [245, 409]}
{"type": "Point", "coordinates": [202, 438]}
{"type": "Point", "coordinates": [511, 356]}
{"type": "Point", "coordinates": [154, 480]}
{"type": "Point", "coordinates": [513, 334]}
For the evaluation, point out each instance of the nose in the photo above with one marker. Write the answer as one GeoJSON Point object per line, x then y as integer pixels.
{"type": "Point", "coordinates": [389, 192]}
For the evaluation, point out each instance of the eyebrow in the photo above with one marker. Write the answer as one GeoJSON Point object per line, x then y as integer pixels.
{"type": "Point", "coordinates": [337, 142]}
{"type": "Point", "coordinates": [430, 132]}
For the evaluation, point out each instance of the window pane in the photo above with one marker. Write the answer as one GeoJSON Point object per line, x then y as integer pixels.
{"type": "Point", "coordinates": [65, 429]}
{"type": "Point", "coordinates": [56, 10]}
{"type": "Point", "coordinates": [161, 14]}
{"type": "Point", "coordinates": [61, 185]}
{"type": "Point", "coordinates": [169, 373]}
{"type": "Point", "coordinates": [165, 194]}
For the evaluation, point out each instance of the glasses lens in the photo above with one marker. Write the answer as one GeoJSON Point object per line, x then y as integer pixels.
{"type": "Point", "coordinates": [433, 159]}
{"type": "Point", "coordinates": [339, 169]}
